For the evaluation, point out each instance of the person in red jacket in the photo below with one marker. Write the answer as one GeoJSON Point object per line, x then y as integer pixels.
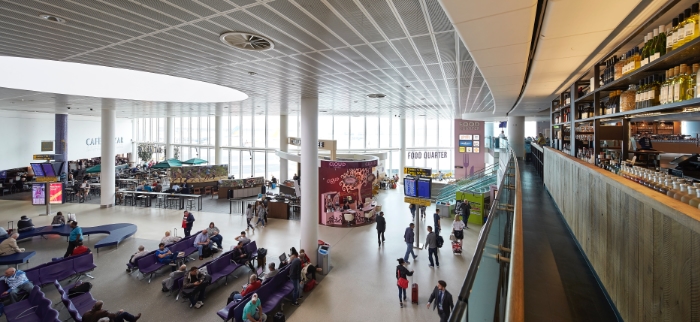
{"type": "Point", "coordinates": [80, 249]}
{"type": "Point", "coordinates": [253, 284]}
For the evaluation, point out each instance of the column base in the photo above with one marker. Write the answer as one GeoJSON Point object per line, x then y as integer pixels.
{"type": "Point", "coordinates": [107, 206]}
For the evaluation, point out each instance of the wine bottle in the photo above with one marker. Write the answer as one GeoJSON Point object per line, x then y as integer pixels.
{"type": "Point", "coordinates": [692, 82]}
{"type": "Point", "coordinates": [645, 50]}
{"type": "Point", "coordinates": [686, 27]}
{"type": "Point", "coordinates": [679, 32]}
{"type": "Point", "coordinates": [672, 35]}
{"type": "Point", "coordinates": [660, 48]}
{"type": "Point", "coordinates": [663, 90]}
{"type": "Point", "coordinates": [691, 25]}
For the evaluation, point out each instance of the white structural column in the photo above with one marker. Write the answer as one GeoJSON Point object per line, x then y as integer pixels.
{"type": "Point", "coordinates": [516, 135]}
{"type": "Point", "coordinates": [169, 137]}
{"type": "Point", "coordinates": [218, 129]}
{"type": "Point", "coordinates": [309, 176]}
{"type": "Point", "coordinates": [283, 147]}
{"type": "Point", "coordinates": [134, 158]}
{"type": "Point", "coordinates": [107, 141]}
{"type": "Point", "coordinates": [402, 146]}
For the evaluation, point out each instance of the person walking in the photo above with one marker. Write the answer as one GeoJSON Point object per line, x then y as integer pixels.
{"type": "Point", "coordinates": [187, 222]}
{"type": "Point", "coordinates": [381, 227]}
{"type": "Point", "coordinates": [261, 213]}
{"type": "Point", "coordinates": [466, 211]}
{"type": "Point", "coordinates": [408, 238]}
{"type": "Point", "coordinates": [431, 243]}
{"type": "Point", "coordinates": [443, 301]}
{"type": "Point", "coordinates": [436, 219]}
{"type": "Point", "coordinates": [249, 213]}
{"type": "Point", "coordinates": [422, 211]}
{"type": "Point", "coordinates": [412, 208]}
{"type": "Point", "coordinates": [76, 235]}
{"type": "Point", "coordinates": [401, 273]}
{"type": "Point", "coordinates": [295, 277]}
{"type": "Point", "coordinates": [458, 229]}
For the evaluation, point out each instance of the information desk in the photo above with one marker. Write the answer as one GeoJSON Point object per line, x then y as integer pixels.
{"type": "Point", "coordinates": [359, 217]}
{"type": "Point", "coordinates": [278, 209]}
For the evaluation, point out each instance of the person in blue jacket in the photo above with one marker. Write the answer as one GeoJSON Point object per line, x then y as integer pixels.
{"type": "Point", "coordinates": [76, 235]}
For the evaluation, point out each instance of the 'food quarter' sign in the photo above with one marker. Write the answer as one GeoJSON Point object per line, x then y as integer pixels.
{"type": "Point", "coordinates": [427, 155]}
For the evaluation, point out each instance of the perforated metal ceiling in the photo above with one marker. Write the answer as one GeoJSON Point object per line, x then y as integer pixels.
{"type": "Point", "coordinates": [337, 50]}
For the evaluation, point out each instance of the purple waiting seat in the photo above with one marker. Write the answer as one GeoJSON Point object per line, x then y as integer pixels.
{"type": "Point", "coordinates": [80, 303]}
{"type": "Point", "coordinates": [148, 265]}
{"type": "Point", "coordinates": [82, 264]}
{"type": "Point", "coordinates": [36, 308]}
{"type": "Point", "coordinates": [57, 271]}
{"type": "Point", "coordinates": [234, 310]}
{"type": "Point", "coordinates": [222, 267]}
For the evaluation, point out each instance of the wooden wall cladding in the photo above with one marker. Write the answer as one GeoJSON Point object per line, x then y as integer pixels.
{"type": "Point", "coordinates": [644, 246]}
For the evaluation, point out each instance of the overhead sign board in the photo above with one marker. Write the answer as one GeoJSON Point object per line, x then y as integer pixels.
{"type": "Point", "coordinates": [45, 156]}
{"type": "Point", "coordinates": [328, 145]}
{"type": "Point", "coordinates": [422, 172]}
{"type": "Point", "coordinates": [46, 179]}
{"type": "Point", "coordinates": [46, 146]}
{"type": "Point", "coordinates": [417, 201]}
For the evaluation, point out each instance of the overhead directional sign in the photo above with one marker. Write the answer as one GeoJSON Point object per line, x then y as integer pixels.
{"type": "Point", "coordinates": [417, 201]}
{"type": "Point", "coordinates": [45, 156]}
{"type": "Point", "coordinates": [418, 172]}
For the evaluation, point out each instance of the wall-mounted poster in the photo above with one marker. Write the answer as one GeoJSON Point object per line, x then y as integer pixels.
{"type": "Point", "coordinates": [465, 143]}
{"type": "Point", "coordinates": [462, 149]}
{"type": "Point", "coordinates": [465, 137]}
{"type": "Point", "coordinates": [476, 143]}
{"type": "Point", "coordinates": [476, 150]}
{"type": "Point", "coordinates": [469, 150]}
{"type": "Point", "coordinates": [56, 193]}
{"type": "Point", "coordinates": [476, 137]}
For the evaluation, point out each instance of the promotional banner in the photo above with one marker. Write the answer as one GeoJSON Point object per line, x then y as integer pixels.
{"type": "Point", "coordinates": [56, 193]}
{"type": "Point", "coordinates": [197, 174]}
{"type": "Point", "coordinates": [338, 185]}
{"type": "Point", "coordinates": [38, 194]}
{"type": "Point", "coordinates": [469, 155]}
{"type": "Point", "coordinates": [476, 201]}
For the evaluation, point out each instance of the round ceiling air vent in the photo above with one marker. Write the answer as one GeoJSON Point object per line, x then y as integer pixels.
{"type": "Point", "coordinates": [376, 95]}
{"type": "Point", "coordinates": [246, 41]}
{"type": "Point", "coordinates": [52, 18]}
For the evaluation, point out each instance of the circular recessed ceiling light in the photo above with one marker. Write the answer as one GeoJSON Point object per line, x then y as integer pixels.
{"type": "Point", "coordinates": [252, 73]}
{"type": "Point", "coordinates": [107, 82]}
{"type": "Point", "coordinates": [52, 18]}
{"type": "Point", "coordinates": [246, 41]}
{"type": "Point", "coordinates": [376, 95]}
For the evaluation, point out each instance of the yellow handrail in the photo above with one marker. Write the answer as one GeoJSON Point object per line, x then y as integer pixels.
{"type": "Point", "coordinates": [515, 304]}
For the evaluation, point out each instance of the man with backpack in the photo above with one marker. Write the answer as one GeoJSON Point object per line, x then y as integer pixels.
{"type": "Point", "coordinates": [432, 244]}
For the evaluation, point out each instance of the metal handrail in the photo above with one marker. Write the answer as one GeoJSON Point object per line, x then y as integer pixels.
{"type": "Point", "coordinates": [515, 303]}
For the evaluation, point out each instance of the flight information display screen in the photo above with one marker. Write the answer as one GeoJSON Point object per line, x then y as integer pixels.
{"type": "Point", "coordinates": [424, 188]}
{"type": "Point", "coordinates": [409, 184]}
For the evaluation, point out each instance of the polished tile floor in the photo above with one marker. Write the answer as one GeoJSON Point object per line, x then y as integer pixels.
{"type": "Point", "coordinates": [360, 287]}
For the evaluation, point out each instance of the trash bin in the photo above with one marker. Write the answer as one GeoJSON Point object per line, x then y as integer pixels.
{"type": "Point", "coordinates": [324, 258]}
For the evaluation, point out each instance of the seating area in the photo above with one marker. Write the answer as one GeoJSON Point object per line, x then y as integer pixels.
{"type": "Point", "coordinates": [219, 268]}
{"type": "Point", "coordinates": [47, 273]}
{"type": "Point", "coordinates": [149, 265]}
{"type": "Point", "coordinates": [77, 304]}
{"type": "Point", "coordinates": [270, 293]}
{"type": "Point", "coordinates": [36, 308]}
{"type": "Point", "coordinates": [117, 233]}
{"type": "Point", "coordinates": [16, 258]}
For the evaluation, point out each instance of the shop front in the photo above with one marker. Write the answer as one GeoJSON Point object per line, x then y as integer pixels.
{"type": "Point", "coordinates": [345, 188]}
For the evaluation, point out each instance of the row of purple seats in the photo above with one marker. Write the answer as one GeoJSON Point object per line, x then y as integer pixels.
{"type": "Point", "coordinates": [270, 293]}
{"type": "Point", "coordinates": [36, 308]}
{"type": "Point", "coordinates": [218, 268]}
{"type": "Point", "coordinates": [251, 249]}
{"type": "Point", "coordinates": [59, 270]}
{"type": "Point", "coordinates": [149, 265]}
{"type": "Point", "coordinates": [80, 303]}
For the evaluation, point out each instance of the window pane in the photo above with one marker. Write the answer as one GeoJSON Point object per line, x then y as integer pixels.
{"type": "Point", "coordinates": [204, 130]}
{"type": "Point", "coordinates": [235, 134]}
{"type": "Point", "coordinates": [325, 127]}
{"type": "Point", "coordinates": [234, 164]}
{"type": "Point", "coordinates": [194, 130]}
{"type": "Point", "coordinates": [372, 132]}
{"type": "Point", "coordinates": [211, 138]}
{"type": "Point", "coordinates": [410, 132]}
{"type": "Point", "coordinates": [432, 164]}
{"type": "Point", "coordinates": [224, 156]}
{"type": "Point", "coordinates": [396, 132]}
{"type": "Point", "coordinates": [395, 162]}
{"type": "Point", "coordinates": [342, 131]}
{"type": "Point", "coordinates": [225, 137]}
{"type": "Point", "coordinates": [273, 165]}
{"type": "Point", "coordinates": [147, 130]}
{"type": "Point", "coordinates": [247, 132]}
{"type": "Point", "coordinates": [273, 131]}
{"type": "Point", "coordinates": [432, 133]}
{"type": "Point", "coordinates": [446, 136]}
{"type": "Point", "coordinates": [259, 158]}
{"type": "Point", "coordinates": [185, 131]}
{"type": "Point", "coordinates": [246, 164]}
{"type": "Point", "coordinates": [293, 124]}
{"type": "Point", "coordinates": [259, 125]}
{"type": "Point", "coordinates": [384, 132]}
{"type": "Point", "coordinates": [204, 154]}
{"type": "Point", "coordinates": [445, 165]}
{"type": "Point", "coordinates": [161, 130]}
{"type": "Point", "coordinates": [357, 131]}
{"type": "Point", "coordinates": [184, 153]}
{"type": "Point", "coordinates": [177, 130]}
{"type": "Point", "coordinates": [291, 170]}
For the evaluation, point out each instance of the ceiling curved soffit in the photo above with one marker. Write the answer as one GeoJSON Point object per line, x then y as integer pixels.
{"type": "Point", "coordinates": [498, 36]}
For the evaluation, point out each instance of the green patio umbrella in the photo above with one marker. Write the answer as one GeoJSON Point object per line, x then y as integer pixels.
{"type": "Point", "coordinates": [98, 168]}
{"type": "Point", "coordinates": [169, 163]}
{"type": "Point", "coordinates": [195, 161]}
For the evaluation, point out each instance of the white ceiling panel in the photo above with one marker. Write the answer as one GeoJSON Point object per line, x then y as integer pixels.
{"type": "Point", "coordinates": [337, 50]}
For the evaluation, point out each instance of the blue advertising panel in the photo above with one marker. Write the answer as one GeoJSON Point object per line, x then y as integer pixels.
{"type": "Point", "coordinates": [467, 143]}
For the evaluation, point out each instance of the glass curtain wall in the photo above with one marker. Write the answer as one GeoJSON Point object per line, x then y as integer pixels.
{"type": "Point", "coordinates": [249, 141]}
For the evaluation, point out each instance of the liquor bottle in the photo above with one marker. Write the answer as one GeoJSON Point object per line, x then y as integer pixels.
{"type": "Point", "coordinates": [679, 32]}
{"type": "Point", "coordinates": [638, 95]}
{"type": "Point", "coordinates": [637, 58]}
{"type": "Point", "coordinates": [672, 35]}
{"type": "Point", "coordinates": [645, 50]}
{"type": "Point", "coordinates": [625, 63]}
{"type": "Point", "coordinates": [688, 25]}
{"type": "Point", "coordinates": [660, 48]}
{"type": "Point", "coordinates": [691, 23]}
{"type": "Point", "coordinates": [654, 91]}
{"type": "Point", "coordinates": [671, 79]}
{"type": "Point", "coordinates": [680, 92]}
{"type": "Point", "coordinates": [692, 82]}
{"type": "Point", "coordinates": [618, 66]}
{"type": "Point", "coordinates": [663, 90]}
{"type": "Point", "coordinates": [676, 84]}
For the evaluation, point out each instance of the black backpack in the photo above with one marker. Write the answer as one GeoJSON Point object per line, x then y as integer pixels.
{"type": "Point", "coordinates": [230, 297]}
{"type": "Point", "coordinates": [440, 241]}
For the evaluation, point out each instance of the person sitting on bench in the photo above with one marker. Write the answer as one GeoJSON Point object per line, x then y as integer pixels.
{"type": "Point", "coordinates": [142, 252]}
{"type": "Point", "coordinates": [167, 240]}
{"type": "Point", "coordinates": [17, 281]}
{"type": "Point", "coordinates": [253, 284]}
{"type": "Point", "coordinates": [24, 224]}
{"type": "Point", "coordinates": [165, 256]}
{"type": "Point", "coordinates": [58, 220]}
{"type": "Point", "coordinates": [242, 238]}
{"type": "Point", "coordinates": [97, 313]}
{"type": "Point", "coordinates": [201, 241]}
{"type": "Point", "coordinates": [240, 257]}
{"type": "Point", "coordinates": [170, 281]}
{"type": "Point", "coordinates": [9, 246]}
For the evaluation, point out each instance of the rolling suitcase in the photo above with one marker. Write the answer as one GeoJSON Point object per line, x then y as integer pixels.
{"type": "Point", "coordinates": [456, 248]}
{"type": "Point", "coordinates": [279, 317]}
{"type": "Point", "coordinates": [414, 293]}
